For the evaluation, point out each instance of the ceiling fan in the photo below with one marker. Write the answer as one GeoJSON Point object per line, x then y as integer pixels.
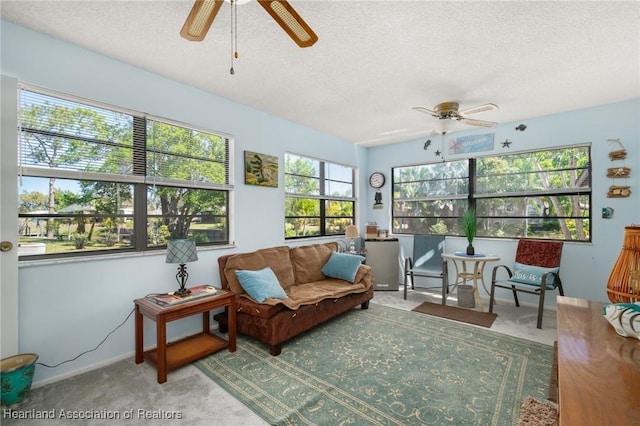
{"type": "Point", "coordinates": [449, 111]}
{"type": "Point", "coordinates": [203, 12]}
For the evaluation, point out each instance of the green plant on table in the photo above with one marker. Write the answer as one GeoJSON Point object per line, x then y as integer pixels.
{"type": "Point", "coordinates": [469, 227]}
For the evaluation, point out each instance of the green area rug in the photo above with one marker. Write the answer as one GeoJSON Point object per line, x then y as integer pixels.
{"type": "Point", "coordinates": [385, 366]}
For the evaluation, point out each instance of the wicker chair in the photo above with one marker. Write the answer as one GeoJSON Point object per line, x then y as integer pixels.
{"type": "Point", "coordinates": [426, 262]}
{"type": "Point", "coordinates": [536, 271]}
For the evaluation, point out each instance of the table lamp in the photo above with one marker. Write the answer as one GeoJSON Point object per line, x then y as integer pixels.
{"type": "Point", "coordinates": [181, 251]}
{"type": "Point", "coordinates": [351, 231]}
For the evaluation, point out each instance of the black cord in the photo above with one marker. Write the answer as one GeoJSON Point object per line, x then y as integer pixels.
{"type": "Point", "coordinates": [90, 350]}
{"type": "Point", "coordinates": [103, 340]}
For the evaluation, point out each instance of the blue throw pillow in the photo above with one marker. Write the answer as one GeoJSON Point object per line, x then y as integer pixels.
{"type": "Point", "coordinates": [343, 266]}
{"type": "Point", "coordinates": [532, 275]}
{"type": "Point", "coordinates": [261, 285]}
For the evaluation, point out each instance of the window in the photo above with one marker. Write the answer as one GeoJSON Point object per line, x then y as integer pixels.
{"type": "Point", "coordinates": [96, 179]}
{"type": "Point", "coordinates": [319, 197]}
{"type": "Point", "coordinates": [540, 194]}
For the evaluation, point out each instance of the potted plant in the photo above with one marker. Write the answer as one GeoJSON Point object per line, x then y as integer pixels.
{"type": "Point", "coordinates": [469, 227]}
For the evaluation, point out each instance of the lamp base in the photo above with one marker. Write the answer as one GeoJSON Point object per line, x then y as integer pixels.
{"type": "Point", "coordinates": [181, 277]}
{"type": "Point", "coordinates": [182, 292]}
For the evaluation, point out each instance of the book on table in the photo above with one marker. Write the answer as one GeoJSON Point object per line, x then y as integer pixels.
{"type": "Point", "coordinates": [196, 292]}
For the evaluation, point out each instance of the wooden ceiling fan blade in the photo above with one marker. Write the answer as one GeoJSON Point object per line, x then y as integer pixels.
{"type": "Point", "coordinates": [479, 108]}
{"type": "Point", "coordinates": [290, 21]}
{"type": "Point", "coordinates": [426, 111]}
{"type": "Point", "coordinates": [481, 123]}
{"type": "Point", "coordinates": [200, 18]}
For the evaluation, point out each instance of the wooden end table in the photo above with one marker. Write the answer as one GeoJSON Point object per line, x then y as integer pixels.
{"type": "Point", "coordinates": [168, 356]}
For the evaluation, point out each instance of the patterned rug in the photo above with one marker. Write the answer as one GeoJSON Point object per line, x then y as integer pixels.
{"type": "Point", "coordinates": [385, 366]}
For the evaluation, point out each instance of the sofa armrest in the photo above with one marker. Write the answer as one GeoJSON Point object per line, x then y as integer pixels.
{"type": "Point", "coordinates": [222, 262]}
{"type": "Point", "coordinates": [364, 274]}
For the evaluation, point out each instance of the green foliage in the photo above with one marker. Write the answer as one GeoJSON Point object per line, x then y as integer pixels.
{"type": "Point", "coordinates": [110, 239]}
{"type": "Point", "coordinates": [301, 176]}
{"type": "Point", "coordinates": [32, 201]}
{"type": "Point", "coordinates": [469, 224]}
{"type": "Point", "coordinates": [79, 241]}
{"type": "Point", "coordinates": [199, 237]}
{"type": "Point", "coordinates": [439, 228]}
{"type": "Point", "coordinates": [72, 136]}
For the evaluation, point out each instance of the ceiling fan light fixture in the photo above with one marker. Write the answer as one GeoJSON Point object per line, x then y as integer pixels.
{"type": "Point", "coordinates": [290, 22]}
{"type": "Point", "coordinates": [200, 19]}
{"type": "Point", "coordinates": [445, 125]}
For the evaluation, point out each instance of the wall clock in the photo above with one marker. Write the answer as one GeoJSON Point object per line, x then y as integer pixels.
{"type": "Point", "coordinates": [376, 180]}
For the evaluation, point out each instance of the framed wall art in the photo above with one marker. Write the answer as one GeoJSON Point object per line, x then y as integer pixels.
{"type": "Point", "coordinates": [260, 169]}
{"type": "Point", "coordinates": [469, 144]}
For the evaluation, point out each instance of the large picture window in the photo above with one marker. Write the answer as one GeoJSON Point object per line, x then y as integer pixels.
{"type": "Point", "coordinates": [319, 197]}
{"type": "Point", "coordinates": [539, 194]}
{"type": "Point", "coordinates": [98, 179]}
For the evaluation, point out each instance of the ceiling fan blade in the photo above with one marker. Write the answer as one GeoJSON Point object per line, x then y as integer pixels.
{"type": "Point", "coordinates": [479, 108]}
{"type": "Point", "coordinates": [426, 111]}
{"type": "Point", "coordinates": [200, 18]}
{"type": "Point", "coordinates": [481, 123]}
{"type": "Point", "coordinates": [290, 21]}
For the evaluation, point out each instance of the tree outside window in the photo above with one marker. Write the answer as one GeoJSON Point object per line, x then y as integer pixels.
{"type": "Point", "coordinates": [88, 171]}
{"type": "Point", "coordinates": [319, 197]}
{"type": "Point", "coordinates": [540, 194]}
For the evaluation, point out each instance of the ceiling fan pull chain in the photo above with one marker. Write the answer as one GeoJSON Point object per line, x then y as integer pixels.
{"type": "Point", "coordinates": [235, 14]}
{"type": "Point", "coordinates": [234, 34]}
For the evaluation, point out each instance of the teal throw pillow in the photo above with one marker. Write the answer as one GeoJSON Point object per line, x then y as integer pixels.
{"type": "Point", "coordinates": [343, 266]}
{"type": "Point", "coordinates": [532, 275]}
{"type": "Point", "coordinates": [261, 285]}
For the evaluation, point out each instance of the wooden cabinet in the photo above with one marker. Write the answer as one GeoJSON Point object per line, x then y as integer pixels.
{"type": "Point", "coordinates": [598, 370]}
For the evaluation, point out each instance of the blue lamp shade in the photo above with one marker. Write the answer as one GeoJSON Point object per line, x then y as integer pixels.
{"type": "Point", "coordinates": [181, 251]}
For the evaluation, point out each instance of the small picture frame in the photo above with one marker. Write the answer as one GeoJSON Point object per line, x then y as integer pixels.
{"type": "Point", "coordinates": [260, 169]}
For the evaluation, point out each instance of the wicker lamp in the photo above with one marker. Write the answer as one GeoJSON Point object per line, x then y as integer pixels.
{"type": "Point", "coordinates": [624, 284]}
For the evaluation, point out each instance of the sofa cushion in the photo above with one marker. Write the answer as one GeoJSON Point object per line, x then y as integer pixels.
{"type": "Point", "coordinates": [315, 292]}
{"type": "Point", "coordinates": [261, 285]}
{"type": "Point", "coordinates": [308, 261]}
{"type": "Point", "coordinates": [343, 266]}
{"type": "Point", "coordinates": [275, 257]}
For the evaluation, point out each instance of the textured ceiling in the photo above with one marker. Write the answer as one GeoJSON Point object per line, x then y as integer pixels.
{"type": "Point", "coordinates": [374, 59]}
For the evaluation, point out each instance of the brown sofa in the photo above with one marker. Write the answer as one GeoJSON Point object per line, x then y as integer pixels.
{"type": "Point", "coordinates": [312, 296]}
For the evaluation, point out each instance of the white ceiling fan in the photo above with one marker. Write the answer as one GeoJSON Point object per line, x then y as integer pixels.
{"type": "Point", "coordinates": [449, 111]}
{"type": "Point", "coordinates": [203, 13]}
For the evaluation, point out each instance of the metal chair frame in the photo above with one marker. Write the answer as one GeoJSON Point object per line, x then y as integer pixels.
{"type": "Point", "coordinates": [524, 255]}
{"type": "Point", "coordinates": [427, 252]}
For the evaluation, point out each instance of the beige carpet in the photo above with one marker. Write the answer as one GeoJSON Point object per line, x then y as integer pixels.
{"type": "Point", "coordinates": [536, 412]}
{"type": "Point", "coordinates": [484, 319]}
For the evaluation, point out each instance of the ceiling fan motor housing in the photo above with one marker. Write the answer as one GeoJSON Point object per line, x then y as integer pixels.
{"type": "Point", "coordinates": [447, 110]}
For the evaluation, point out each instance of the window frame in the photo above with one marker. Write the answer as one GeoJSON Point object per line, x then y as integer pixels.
{"type": "Point", "coordinates": [137, 174]}
{"type": "Point", "coordinates": [322, 197]}
{"type": "Point", "coordinates": [532, 225]}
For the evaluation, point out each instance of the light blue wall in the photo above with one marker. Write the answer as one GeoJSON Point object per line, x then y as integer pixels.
{"type": "Point", "coordinates": [585, 267]}
{"type": "Point", "coordinates": [68, 307]}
